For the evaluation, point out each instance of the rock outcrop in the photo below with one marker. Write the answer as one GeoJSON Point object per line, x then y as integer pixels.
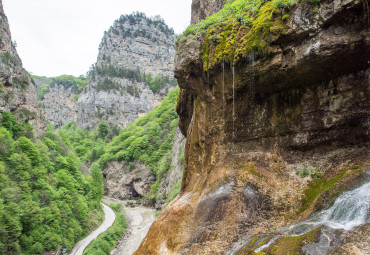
{"type": "Point", "coordinates": [17, 90]}
{"type": "Point", "coordinates": [133, 180]}
{"type": "Point", "coordinates": [127, 181]}
{"type": "Point", "coordinates": [201, 9]}
{"type": "Point", "coordinates": [287, 91]}
{"type": "Point", "coordinates": [172, 180]}
{"type": "Point", "coordinates": [61, 111]}
{"type": "Point", "coordinates": [133, 72]}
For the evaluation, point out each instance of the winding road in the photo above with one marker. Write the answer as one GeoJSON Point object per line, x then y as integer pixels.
{"type": "Point", "coordinates": [109, 219]}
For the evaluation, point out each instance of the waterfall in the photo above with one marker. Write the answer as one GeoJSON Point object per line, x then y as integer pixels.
{"type": "Point", "coordinates": [349, 210]}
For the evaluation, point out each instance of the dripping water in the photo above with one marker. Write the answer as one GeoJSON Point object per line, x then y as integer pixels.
{"type": "Point", "coordinates": [223, 101]}
{"type": "Point", "coordinates": [233, 118]}
{"type": "Point", "coordinates": [252, 91]}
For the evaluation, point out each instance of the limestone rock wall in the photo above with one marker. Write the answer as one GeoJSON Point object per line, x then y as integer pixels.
{"type": "Point", "coordinates": [251, 124]}
{"type": "Point", "coordinates": [58, 106]}
{"type": "Point", "coordinates": [134, 46]}
{"type": "Point", "coordinates": [17, 90]}
{"type": "Point", "coordinates": [124, 181]}
{"type": "Point", "coordinates": [173, 178]}
{"type": "Point", "coordinates": [201, 9]}
{"type": "Point", "coordinates": [134, 180]}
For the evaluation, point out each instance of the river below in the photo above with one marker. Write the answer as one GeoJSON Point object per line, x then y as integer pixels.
{"type": "Point", "coordinates": [139, 220]}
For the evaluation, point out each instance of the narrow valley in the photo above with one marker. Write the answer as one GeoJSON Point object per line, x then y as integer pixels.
{"type": "Point", "coordinates": [246, 133]}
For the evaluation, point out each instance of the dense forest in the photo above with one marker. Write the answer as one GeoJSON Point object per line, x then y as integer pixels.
{"type": "Point", "coordinates": [45, 200]}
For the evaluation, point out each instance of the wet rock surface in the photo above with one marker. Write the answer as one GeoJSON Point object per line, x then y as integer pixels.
{"type": "Point", "coordinates": [304, 104]}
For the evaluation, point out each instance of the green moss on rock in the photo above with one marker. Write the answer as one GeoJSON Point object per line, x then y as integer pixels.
{"type": "Point", "coordinates": [287, 245]}
{"type": "Point", "coordinates": [291, 245]}
{"type": "Point", "coordinates": [318, 187]}
{"type": "Point", "coordinates": [241, 27]}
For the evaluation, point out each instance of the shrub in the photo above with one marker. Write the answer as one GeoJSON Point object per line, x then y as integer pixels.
{"type": "Point", "coordinates": [314, 172]}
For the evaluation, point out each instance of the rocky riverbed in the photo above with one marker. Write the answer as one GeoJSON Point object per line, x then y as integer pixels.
{"type": "Point", "coordinates": [139, 221]}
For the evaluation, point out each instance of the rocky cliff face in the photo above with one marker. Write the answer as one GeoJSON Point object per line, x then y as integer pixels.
{"type": "Point", "coordinates": [133, 72]}
{"type": "Point", "coordinates": [134, 180]}
{"type": "Point", "coordinates": [171, 182]}
{"type": "Point", "coordinates": [17, 90]}
{"type": "Point", "coordinates": [61, 111]}
{"type": "Point", "coordinates": [201, 9]}
{"type": "Point", "coordinates": [261, 99]}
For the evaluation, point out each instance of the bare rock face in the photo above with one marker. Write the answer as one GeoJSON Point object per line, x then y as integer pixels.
{"type": "Point", "coordinates": [303, 101]}
{"type": "Point", "coordinates": [58, 107]}
{"type": "Point", "coordinates": [172, 179]}
{"type": "Point", "coordinates": [201, 9]}
{"type": "Point", "coordinates": [134, 180]}
{"type": "Point", "coordinates": [133, 73]}
{"type": "Point", "coordinates": [17, 90]}
{"type": "Point", "coordinates": [127, 182]}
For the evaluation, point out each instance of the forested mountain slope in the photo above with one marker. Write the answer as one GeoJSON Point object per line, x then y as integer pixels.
{"type": "Point", "coordinates": [45, 201]}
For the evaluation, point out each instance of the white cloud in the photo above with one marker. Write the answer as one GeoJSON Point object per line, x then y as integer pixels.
{"type": "Point", "coordinates": [57, 37]}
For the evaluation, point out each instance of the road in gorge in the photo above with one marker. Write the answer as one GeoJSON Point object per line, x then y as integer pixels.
{"type": "Point", "coordinates": [139, 221]}
{"type": "Point", "coordinates": [109, 218]}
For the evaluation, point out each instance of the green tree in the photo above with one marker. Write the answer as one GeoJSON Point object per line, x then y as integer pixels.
{"type": "Point", "coordinates": [103, 129]}
{"type": "Point", "coordinates": [97, 186]}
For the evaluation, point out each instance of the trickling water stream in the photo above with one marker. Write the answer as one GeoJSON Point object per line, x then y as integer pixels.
{"type": "Point", "coordinates": [349, 210]}
{"type": "Point", "coordinates": [233, 116]}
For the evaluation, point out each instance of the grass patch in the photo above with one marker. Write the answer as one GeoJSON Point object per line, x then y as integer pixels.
{"type": "Point", "coordinates": [107, 240]}
{"type": "Point", "coordinates": [317, 187]}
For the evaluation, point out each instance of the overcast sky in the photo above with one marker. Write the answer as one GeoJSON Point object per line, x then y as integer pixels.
{"type": "Point", "coordinates": [57, 37]}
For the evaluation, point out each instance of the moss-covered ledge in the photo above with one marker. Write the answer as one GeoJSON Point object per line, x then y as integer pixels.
{"type": "Point", "coordinates": [241, 27]}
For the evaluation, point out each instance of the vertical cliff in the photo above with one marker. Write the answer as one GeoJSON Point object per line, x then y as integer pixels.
{"type": "Point", "coordinates": [133, 72]}
{"type": "Point", "coordinates": [57, 97]}
{"type": "Point", "coordinates": [17, 90]}
{"type": "Point", "coordinates": [268, 90]}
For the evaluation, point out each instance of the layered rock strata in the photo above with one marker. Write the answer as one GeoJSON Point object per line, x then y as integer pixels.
{"type": "Point", "coordinates": [133, 72]}
{"type": "Point", "coordinates": [252, 121]}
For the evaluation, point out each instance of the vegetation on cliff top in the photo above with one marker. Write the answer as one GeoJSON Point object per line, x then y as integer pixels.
{"type": "Point", "coordinates": [45, 201]}
{"type": "Point", "coordinates": [109, 71]}
{"type": "Point", "coordinates": [240, 28]}
{"type": "Point", "coordinates": [67, 81]}
{"type": "Point", "coordinates": [135, 19]}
